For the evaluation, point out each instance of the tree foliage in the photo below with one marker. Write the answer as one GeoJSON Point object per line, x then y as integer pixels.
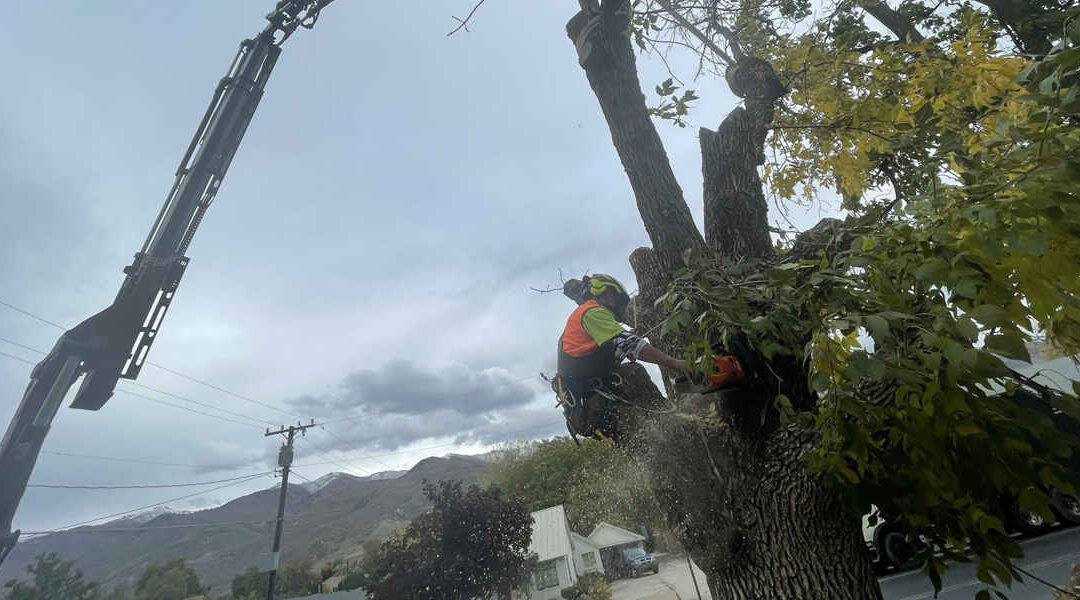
{"type": "Point", "coordinates": [293, 580]}
{"type": "Point", "coordinates": [173, 580]}
{"type": "Point", "coordinates": [588, 587]}
{"type": "Point", "coordinates": [473, 543]}
{"type": "Point", "coordinates": [56, 579]}
{"type": "Point", "coordinates": [594, 481]}
{"type": "Point", "coordinates": [956, 157]}
{"type": "Point", "coordinates": [249, 585]}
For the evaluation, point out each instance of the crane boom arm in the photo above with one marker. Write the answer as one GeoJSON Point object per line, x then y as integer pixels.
{"type": "Point", "coordinates": [114, 343]}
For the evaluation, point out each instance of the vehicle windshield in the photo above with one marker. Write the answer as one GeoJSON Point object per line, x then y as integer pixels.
{"type": "Point", "coordinates": [633, 553]}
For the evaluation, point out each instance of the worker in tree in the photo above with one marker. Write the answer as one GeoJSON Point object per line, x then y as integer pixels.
{"type": "Point", "coordinates": [590, 349]}
{"type": "Point", "coordinates": [593, 345]}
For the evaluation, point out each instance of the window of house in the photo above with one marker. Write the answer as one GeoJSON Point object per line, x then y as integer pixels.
{"type": "Point", "coordinates": [589, 560]}
{"type": "Point", "coordinates": [547, 574]}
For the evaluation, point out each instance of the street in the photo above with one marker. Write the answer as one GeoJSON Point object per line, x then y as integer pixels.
{"type": "Point", "coordinates": [1050, 557]}
{"type": "Point", "coordinates": [673, 582]}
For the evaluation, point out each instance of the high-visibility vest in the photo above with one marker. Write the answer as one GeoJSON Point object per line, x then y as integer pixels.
{"type": "Point", "coordinates": [579, 354]}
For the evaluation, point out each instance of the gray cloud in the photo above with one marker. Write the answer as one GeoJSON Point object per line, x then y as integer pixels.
{"type": "Point", "coordinates": [400, 403]}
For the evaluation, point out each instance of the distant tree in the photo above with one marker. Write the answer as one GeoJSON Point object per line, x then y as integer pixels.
{"type": "Point", "coordinates": [293, 580]}
{"type": "Point", "coordinates": [596, 482]}
{"type": "Point", "coordinates": [54, 579]}
{"type": "Point", "coordinates": [473, 543]}
{"type": "Point", "coordinates": [358, 576]}
{"type": "Point", "coordinates": [297, 579]}
{"type": "Point", "coordinates": [173, 580]}
{"type": "Point", "coordinates": [249, 585]}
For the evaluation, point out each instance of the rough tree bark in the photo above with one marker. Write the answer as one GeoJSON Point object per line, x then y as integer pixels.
{"type": "Point", "coordinates": [614, 78]}
{"type": "Point", "coordinates": [733, 483]}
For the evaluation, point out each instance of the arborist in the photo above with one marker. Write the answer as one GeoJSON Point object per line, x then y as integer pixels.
{"type": "Point", "coordinates": [591, 348]}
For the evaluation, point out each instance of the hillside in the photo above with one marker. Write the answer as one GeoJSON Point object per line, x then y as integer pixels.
{"type": "Point", "coordinates": [324, 520]}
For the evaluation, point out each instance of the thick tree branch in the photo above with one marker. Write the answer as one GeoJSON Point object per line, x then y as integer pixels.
{"type": "Point", "coordinates": [888, 17]}
{"type": "Point", "coordinates": [1023, 22]}
{"type": "Point", "coordinates": [736, 212]}
{"type": "Point", "coordinates": [607, 56]}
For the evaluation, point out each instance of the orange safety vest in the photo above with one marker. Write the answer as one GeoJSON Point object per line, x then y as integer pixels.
{"type": "Point", "coordinates": [579, 354]}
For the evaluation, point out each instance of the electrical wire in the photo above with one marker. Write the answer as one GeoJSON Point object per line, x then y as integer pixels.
{"type": "Point", "coordinates": [119, 529]}
{"type": "Point", "coordinates": [127, 460]}
{"type": "Point", "coordinates": [190, 410]}
{"type": "Point", "coordinates": [170, 394]}
{"type": "Point", "coordinates": [338, 462]}
{"type": "Point", "coordinates": [158, 366]}
{"type": "Point", "coordinates": [156, 504]}
{"type": "Point", "coordinates": [18, 358]}
{"type": "Point", "coordinates": [142, 486]}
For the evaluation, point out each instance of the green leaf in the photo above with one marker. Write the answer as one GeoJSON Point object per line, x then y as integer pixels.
{"type": "Point", "coordinates": [1009, 346]}
{"type": "Point", "coordinates": [1069, 59]}
{"type": "Point", "coordinates": [820, 382]}
{"type": "Point", "coordinates": [968, 328]}
{"type": "Point", "coordinates": [877, 326]}
{"type": "Point", "coordinates": [989, 315]}
{"type": "Point", "coordinates": [965, 429]}
{"type": "Point", "coordinates": [932, 270]}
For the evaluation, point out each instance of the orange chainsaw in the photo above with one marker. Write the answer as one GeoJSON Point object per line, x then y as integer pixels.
{"type": "Point", "coordinates": [725, 372]}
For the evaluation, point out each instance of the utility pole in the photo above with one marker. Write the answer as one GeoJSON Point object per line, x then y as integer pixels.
{"type": "Point", "coordinates": [285, 456]}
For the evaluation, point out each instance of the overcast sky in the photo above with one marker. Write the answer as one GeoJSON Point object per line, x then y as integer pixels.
{"type": "Point", "coordinates": [369, 257]}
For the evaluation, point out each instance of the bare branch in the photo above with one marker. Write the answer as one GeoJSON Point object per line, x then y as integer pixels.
{"type": "Point", "coordinates": [464, 23]}
{"type": "Point", "coordinates": [681, 20]}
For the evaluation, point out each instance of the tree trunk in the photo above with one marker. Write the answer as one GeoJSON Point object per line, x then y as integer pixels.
{"type": "Point", "coordinates": [608, 58]}
{"type": "Point", "coordinates": [733, 484]}
{"type": "Point", "coordinates": [736, 214]}
{"type": "Point", "coordinates": [743, 506]}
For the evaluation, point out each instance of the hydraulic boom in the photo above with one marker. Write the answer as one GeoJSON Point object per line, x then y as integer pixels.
{"type": "Point", "coordinates": [113, 344]}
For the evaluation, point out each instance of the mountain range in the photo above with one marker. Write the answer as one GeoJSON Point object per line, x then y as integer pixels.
{"type": "Point", "coordinates": [326, 519]}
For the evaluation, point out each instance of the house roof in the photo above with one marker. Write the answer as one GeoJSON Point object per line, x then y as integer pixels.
{"type": "Point", "coordinates": [581, 543]}
{"type": "Point", "coordinates": [606, 535]}
{"type": "Point", "coordinates": [550, 534]}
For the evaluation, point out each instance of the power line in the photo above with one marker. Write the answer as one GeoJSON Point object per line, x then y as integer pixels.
{"type": "Point", "coordinates": [338, 462]}
{"type": "Point", "coordinates": [191, 410]}
{"type": "Point", "coordinates": [177, 396]}
{"type": "Point", "coordinates": [142, 486]}
{"type": "Point", "coordinates": [198, 403]}
{"type": "Point", "coordinates": [159, 366]}
{"type": "Point", "coordinates": [18, 358]}
{"type": "Point", "coordinates": [33, 316]}
{"type": "Point", "coordinates": [127, 460]}
{"type": "Point", "coordinates": [222, 390]}
{"type": "Point", "coordinates": [119, 529]}
{"type": "Point", "coordinates": [156, 504]}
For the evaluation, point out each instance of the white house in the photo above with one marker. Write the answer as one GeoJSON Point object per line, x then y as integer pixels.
{"type": "Point", "coordinates": [611, 541]}
{"type": "Point", "coordinates": [562, 555]}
